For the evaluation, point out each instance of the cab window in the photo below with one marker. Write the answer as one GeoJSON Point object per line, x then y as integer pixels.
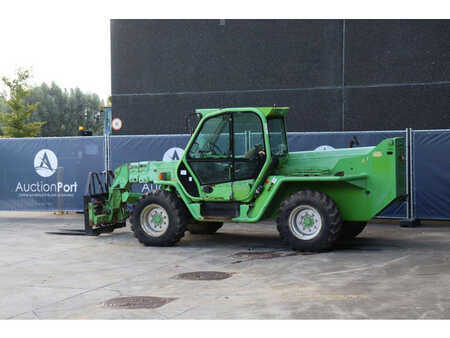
{"type": "Point", "coordinates": [213, 141]}
{"type": "Point", "coordinates": [210, 154]}
{"type": "Point", "coordinates": [277, 137]}
{"type": "Point", "coordinates": [248, 144]}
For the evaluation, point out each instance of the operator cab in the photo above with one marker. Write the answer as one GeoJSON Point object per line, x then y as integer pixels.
{"type": "Point", "coordinates": [231, 152]}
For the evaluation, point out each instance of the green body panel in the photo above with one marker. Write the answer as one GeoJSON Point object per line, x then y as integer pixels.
{"type": "Point", "coordinates": [221, 193]}
{"type": "Point", "coordinates": [362, 181]}
{"type": "Point", "coordinates": [372, 178]}
{"type": "Point", "coordinates": [242, 190]}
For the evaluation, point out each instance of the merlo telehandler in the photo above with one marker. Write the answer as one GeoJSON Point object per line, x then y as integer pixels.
{"type": "Point", "coordinates": [236, 168]}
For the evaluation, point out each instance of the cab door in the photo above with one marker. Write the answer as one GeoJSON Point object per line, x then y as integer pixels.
{"type": "Point", "coordinates": [226, 157]}
{"type": "Point", "coordinates": [210, 158]}
{"type": "Point", "coordinates": [249, 152]}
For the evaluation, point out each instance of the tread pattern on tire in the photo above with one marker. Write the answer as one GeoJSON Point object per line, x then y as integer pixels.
{"type": "Point", "coordinates": [331, 218]}
{"type": "Point", "coordinates": [177, 218]}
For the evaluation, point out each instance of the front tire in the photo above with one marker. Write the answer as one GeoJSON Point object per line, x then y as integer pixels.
{"type": "Point", "coordinates": [159, 219]}
{"type": "Point", "coordinates": [309, 221]}
{"type": "Point", "coordinates": [204, 228]}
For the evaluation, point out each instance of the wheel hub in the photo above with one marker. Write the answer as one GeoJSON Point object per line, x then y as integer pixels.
{"type": "Point", "coordinates": [308, 221]}
{"type": "Point", "coordinates": [157, 219]}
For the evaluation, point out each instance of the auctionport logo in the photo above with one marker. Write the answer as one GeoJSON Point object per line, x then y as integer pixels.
{"type": "Point", "coordinates": [324, 147]}
{"type": "Point", "coordinates": [173, 154]}
{"type": "Point", "coordinates": [45, 163]}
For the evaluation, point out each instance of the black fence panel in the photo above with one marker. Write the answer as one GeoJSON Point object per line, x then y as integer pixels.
{"type": "Point", "coordinates": [47, 173]}
{"type": "Point", "coordinates": [431, 174]}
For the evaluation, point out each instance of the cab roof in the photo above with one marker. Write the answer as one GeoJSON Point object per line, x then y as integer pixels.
{"type": "Point", "coordinates": [267, 111]}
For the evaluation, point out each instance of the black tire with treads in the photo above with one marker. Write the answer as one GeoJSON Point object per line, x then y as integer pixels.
{"type": "Point", "coordinates": [330, 217]}
{"type": "Point", "coordinates": [177, 218]}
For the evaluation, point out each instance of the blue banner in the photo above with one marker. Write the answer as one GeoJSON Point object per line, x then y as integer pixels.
{"type": "Point", "coordinates": [329, 140]}
{"type": "Point", "coordinates": [47, 173]}
{"type": "Point", "coordinates": [126, 149]}
{"type": "Point", "coordinates": [431, 174]}
{"type": "Point", "coordinates": [50, 173]}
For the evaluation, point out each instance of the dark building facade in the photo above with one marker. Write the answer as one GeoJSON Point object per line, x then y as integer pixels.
{"type": "Point", "coordinates": [334, 74]}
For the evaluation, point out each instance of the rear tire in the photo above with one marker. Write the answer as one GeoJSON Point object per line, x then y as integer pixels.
{"type": "Point", "coordinates": [309, 221]}
{"type": "Point", "coordinates": [351, 229]}
{"type": "Point", "coordinates": [159, 219]}
{"type": "Point", "coordinates": [204, 228]}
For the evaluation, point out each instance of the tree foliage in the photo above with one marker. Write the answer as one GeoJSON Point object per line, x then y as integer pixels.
{"type": "Point", "coordinates": [65, 110]}
{"type": "Point", "coordinates": [3, 106]}
{"type": "Point", "coordinates": [17, 121]}
{"type": "Point", "coordinates": [23, 109]}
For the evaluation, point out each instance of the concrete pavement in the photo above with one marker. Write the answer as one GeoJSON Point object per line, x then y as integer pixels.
{"type": "Point", "coordinates": [387, 272]}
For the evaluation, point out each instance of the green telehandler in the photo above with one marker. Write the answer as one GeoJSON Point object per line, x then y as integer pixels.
{"type": "Point", "coordinates": [236, 168]}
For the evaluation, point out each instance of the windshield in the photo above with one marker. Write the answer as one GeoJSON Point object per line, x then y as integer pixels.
{"type": "Point", "coordinates": [213, 140]}
{"type": "Point", "coordinates": [277, 137]}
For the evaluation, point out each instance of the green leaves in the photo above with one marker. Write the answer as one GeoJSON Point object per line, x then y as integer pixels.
{"type": "Point", "coordinates": [65, 110]}
{"type": "Point", "coordinates": [17, 122]}
{"type": "Point", "coordinates": [24, 109]}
